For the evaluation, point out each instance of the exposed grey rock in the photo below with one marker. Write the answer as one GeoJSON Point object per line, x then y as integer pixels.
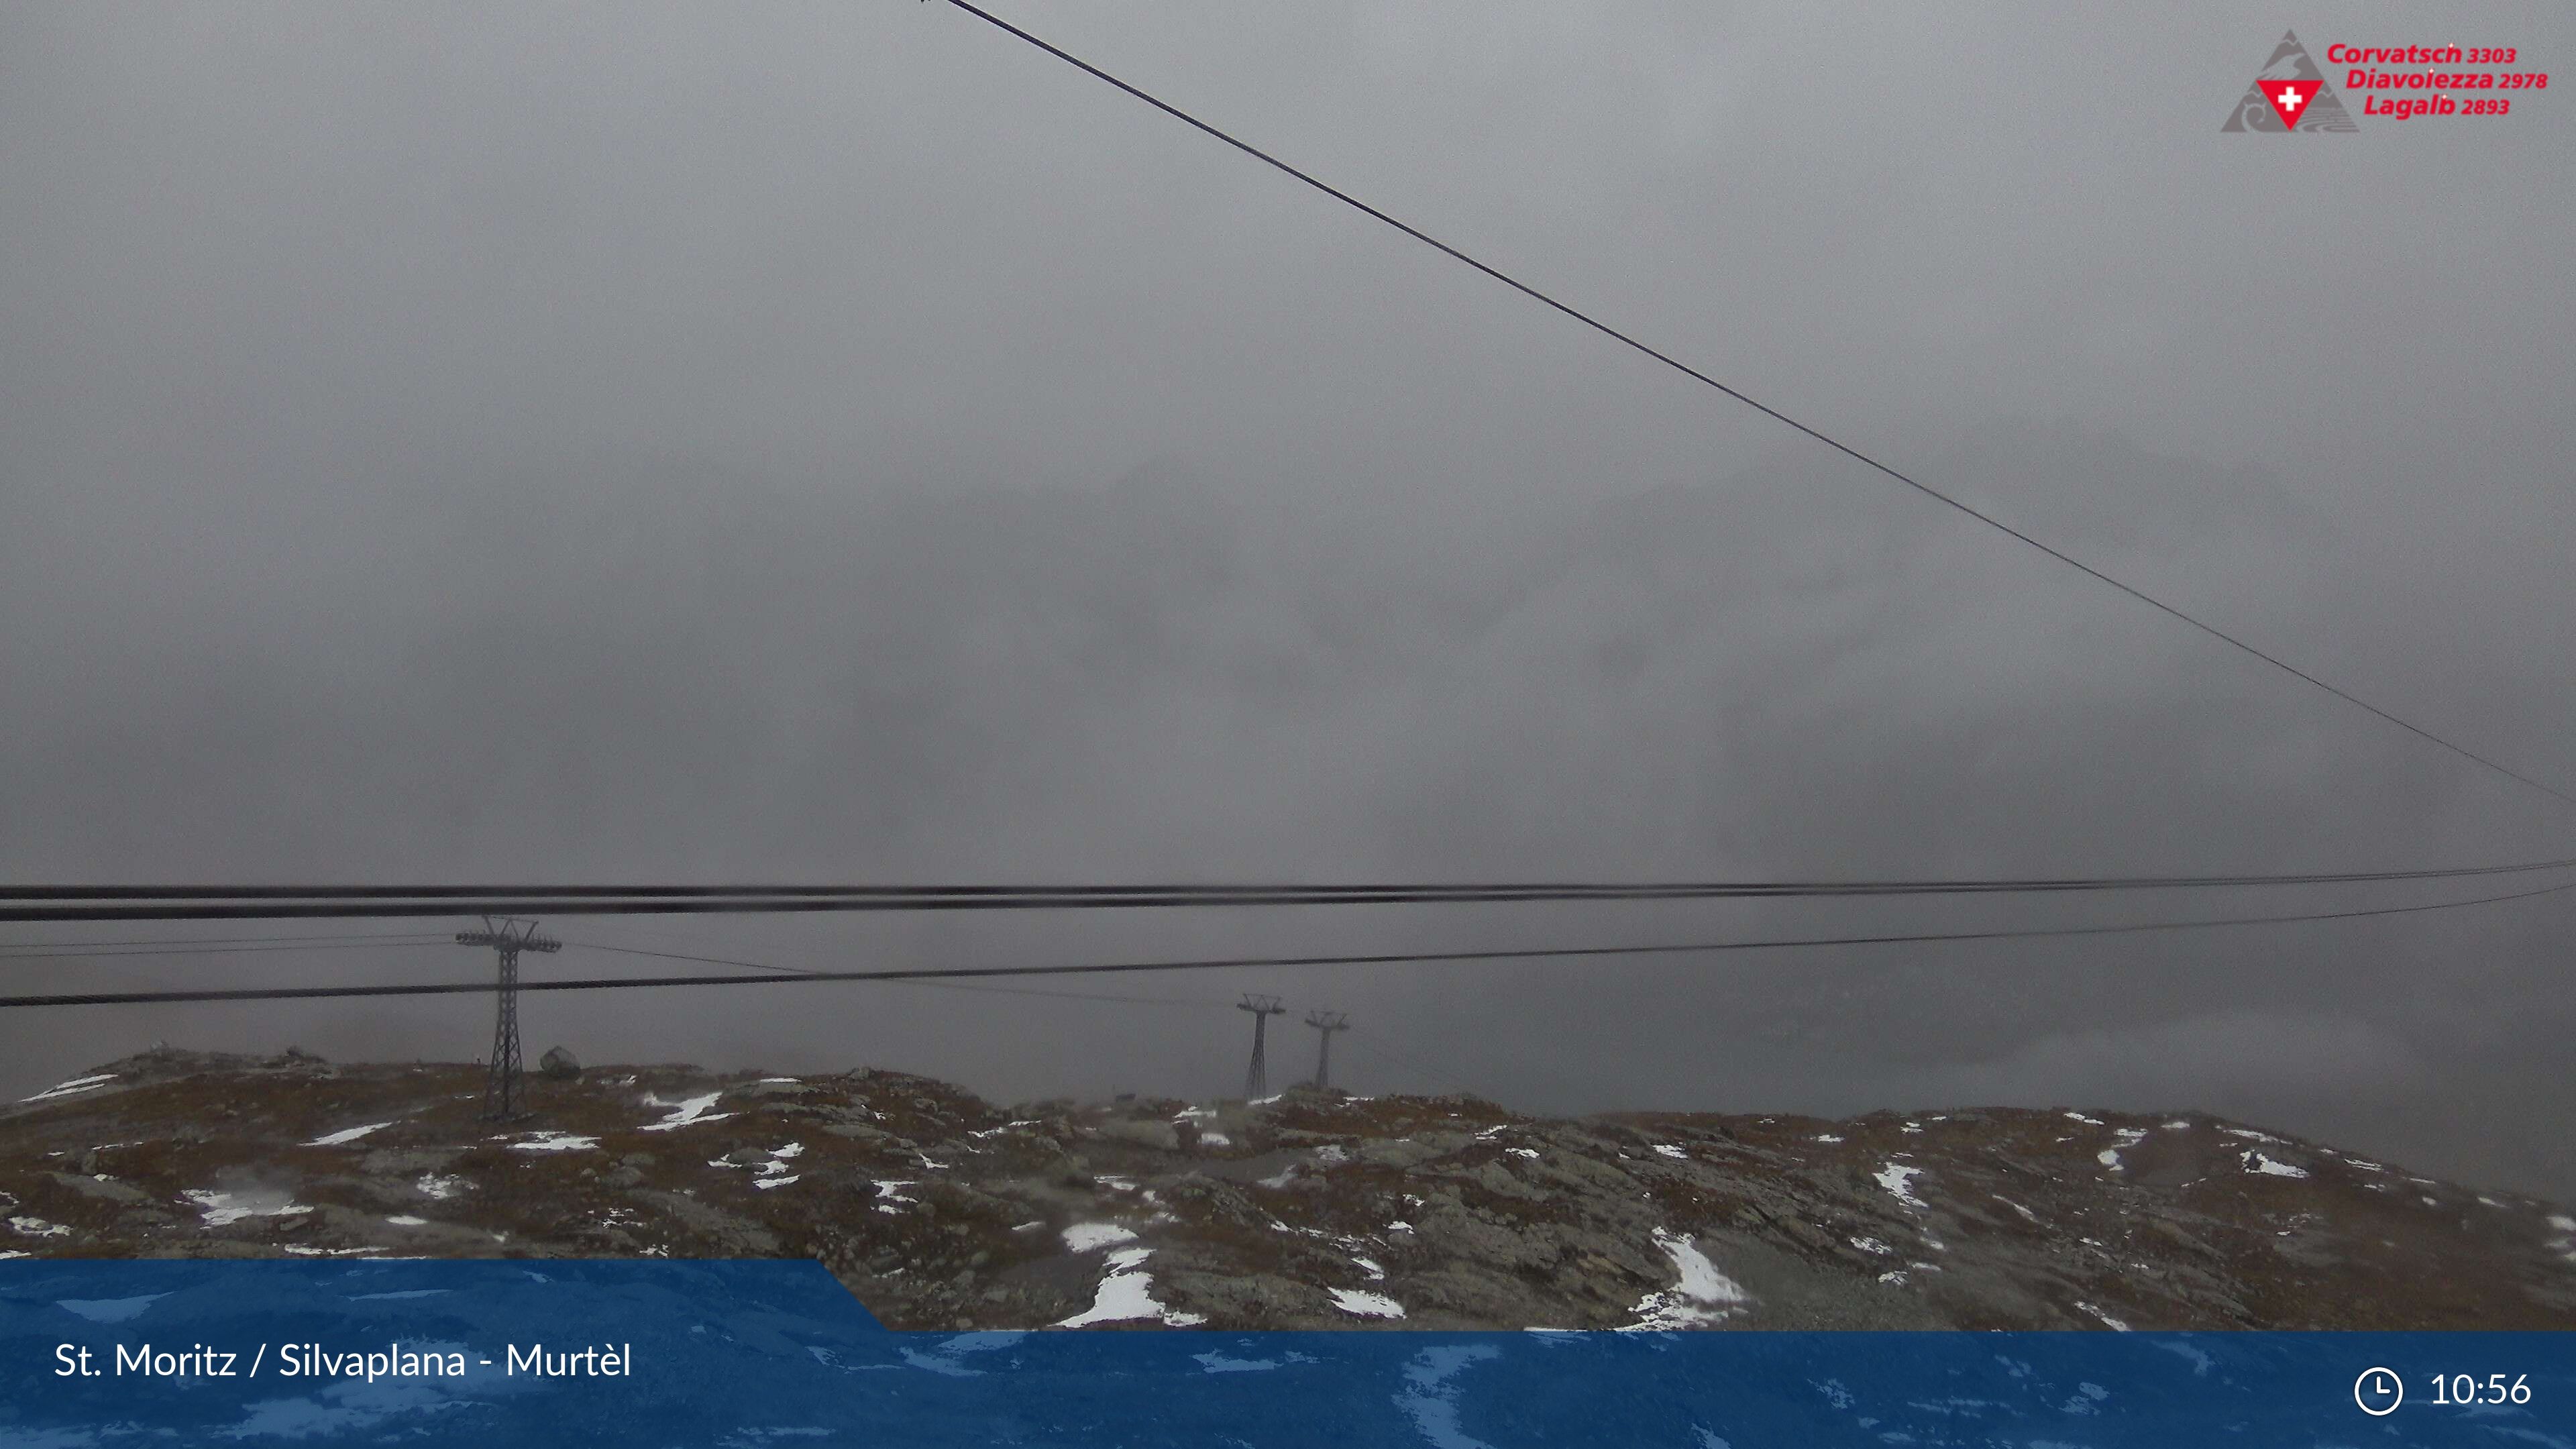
{"type": "Point", "coordinates": [394, 1161]}
{"type": "Point", "coordinates": [1467, 1216]}
{"type": "Point", "coordinates": [1263, 1300]}
{"type": "Point", "coordinates": [740, 1236]}
{"type": "Point", "coordinates": [1400, 1152]}
{"type": "Point", "coordinates": [1157, 1135]}
{"type": "Point", "coordinates": [105, 1189]}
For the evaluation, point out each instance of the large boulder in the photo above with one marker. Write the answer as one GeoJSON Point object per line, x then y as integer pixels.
{"type": "Point", "coordinates": [1143, 1134]}
{"type": "Point", "coordinates": [559, 1064]}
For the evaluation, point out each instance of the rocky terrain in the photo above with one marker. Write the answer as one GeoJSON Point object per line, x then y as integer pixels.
{"type": "Point", "coordinates": [1309, 1210]}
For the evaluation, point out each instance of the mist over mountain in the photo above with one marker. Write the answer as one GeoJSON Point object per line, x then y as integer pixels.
{"type": "Point", "coordinates": [1189, 673]}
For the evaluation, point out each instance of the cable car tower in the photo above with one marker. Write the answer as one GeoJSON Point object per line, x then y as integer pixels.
{"type": "Point", "coordinates": [1256, 1082]}
{"type": "Point", "coordinates": [1325, 1024]}
{"type": "Point", "coordinates": [503, 1099]}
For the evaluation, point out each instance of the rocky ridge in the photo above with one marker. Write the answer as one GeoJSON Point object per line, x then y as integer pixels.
{"type": "Point", "coordinates": [1309, 1210]}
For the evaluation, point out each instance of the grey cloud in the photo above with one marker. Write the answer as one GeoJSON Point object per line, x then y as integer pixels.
{"type": "Point", "coordinates": [836, 444]}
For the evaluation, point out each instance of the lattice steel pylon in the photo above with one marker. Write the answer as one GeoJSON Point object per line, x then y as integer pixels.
{"type": "Point", "coordinates": [1256, 1082]}
{"type": "Point", "coordinates": [502, 1097]}
{"type": "Point", "coordinates": [1326, 1023]}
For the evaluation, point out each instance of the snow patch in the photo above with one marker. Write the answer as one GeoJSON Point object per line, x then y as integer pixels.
{"type": "Point", "coordinates": [2257, 1162]}
{"type": "Point", "coordinates": [432, 1185]}
{"type": "Point", "coordinates": [108, 1310]}
{"type": "Point", "coordinates": [1361, 1304]}
{"type": "Point", "coordinates": [553, 1141]}
{"type": "Point", "coordinates": [1431, 1401]}
{"type": "Point", "coordinates": [1665, 1149]}
{"type": "Point", "coordinates": [684, 1112]}
{"type": "Point", "coordinates": [2113, 1324]}
{"type": "Point", "coordinates": [1084, 1237]}
{"type": "Point", "coordinates": [1704, 1295]}
{"type": "Point", "coordinates": [408, 1221]}
{"type": "Point", "coordinates": [221, 1208]}
{"type": "Point", "coordinates": [1127, 1294]}
{"type": "Point", "coordinates": [73, 1087]}
{"type": "Point", "coordinates": [771, 1171]}
{"type": "Point", "coordinates": [2564, 1245]}
{"type": "Point", "coordinates": [347, 1135]}
{"type": "Point", "coordinates": [2198, 1358]}
{"type": "Point", "coordinates": [2126, 1138]}
{"type": "Point", "coordinates": [1898, 1179]}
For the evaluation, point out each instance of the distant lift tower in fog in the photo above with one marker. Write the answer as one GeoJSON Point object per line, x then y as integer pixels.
{"type": "Point", "coordinates": [502, 1098]}
{"type": "Point", "coordinates": [1325, 1023]}
{"type": "Point", "coordinates": [1256, 1083]}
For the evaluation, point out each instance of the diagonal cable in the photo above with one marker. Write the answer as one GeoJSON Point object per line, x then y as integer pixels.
{"type": "Point", "coordinates": [1830, 441]}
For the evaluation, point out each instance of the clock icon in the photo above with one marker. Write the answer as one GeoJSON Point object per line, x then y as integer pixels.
{"type": "Point", "coordinates": [2378, 1392]}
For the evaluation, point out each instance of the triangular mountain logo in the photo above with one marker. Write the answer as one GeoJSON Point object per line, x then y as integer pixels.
{"type": "Point", "coordinates": [2290, 94]}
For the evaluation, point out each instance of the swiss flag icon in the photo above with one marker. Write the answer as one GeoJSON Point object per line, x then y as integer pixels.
{"type": "Point", "coordinates": [2290, 98]}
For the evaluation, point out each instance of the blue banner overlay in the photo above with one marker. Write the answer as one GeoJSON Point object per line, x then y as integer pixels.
{"type": "Point", "coordinates": [756, 1354]}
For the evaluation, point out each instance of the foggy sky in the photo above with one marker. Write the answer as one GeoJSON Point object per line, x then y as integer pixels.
{"type": "Point", "coordinates": [836, 442]}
